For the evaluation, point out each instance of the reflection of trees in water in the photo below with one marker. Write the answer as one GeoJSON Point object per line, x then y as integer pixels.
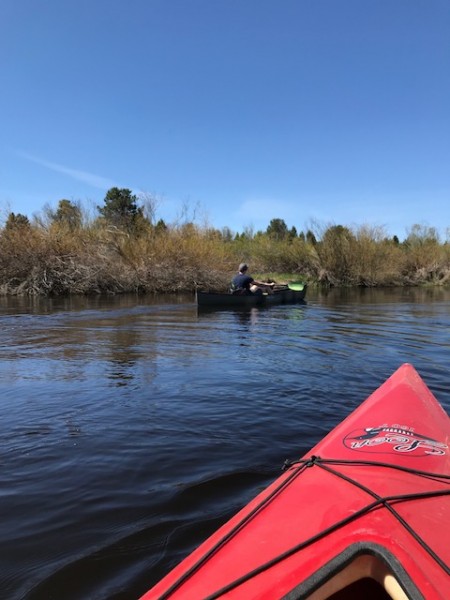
{"type": "Point", "coordinates": [380, 295]}
{"type": "Point", "coordinates": [131, 353]}
{"type": "Point", "coordinates": [76, 346]}
{"type": "Point", "coordinates": [135, 342]}
{"type": "Point", "coordinates": [121, 369]}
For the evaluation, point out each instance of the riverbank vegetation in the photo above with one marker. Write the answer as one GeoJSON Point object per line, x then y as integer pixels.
{"type": "Point", "coordinates": [124, 248]}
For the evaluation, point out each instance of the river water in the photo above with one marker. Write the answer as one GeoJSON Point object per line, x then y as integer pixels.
{"type": "Point", "coordinates": [132, 427]}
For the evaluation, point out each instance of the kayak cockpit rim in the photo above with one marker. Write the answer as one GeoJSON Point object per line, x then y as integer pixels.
{"type": "Point", "coordinates": [361, 571]}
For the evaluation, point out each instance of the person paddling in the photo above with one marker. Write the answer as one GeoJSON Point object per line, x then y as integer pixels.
{"type": "Point", "coordinates": [243, 283]}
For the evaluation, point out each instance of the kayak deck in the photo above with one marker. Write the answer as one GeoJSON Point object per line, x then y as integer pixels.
{"type": "Point", "coordinates": [361, 515]}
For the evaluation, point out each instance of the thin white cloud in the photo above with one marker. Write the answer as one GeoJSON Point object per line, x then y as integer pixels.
{"type": "Point", "coordinates": [96, 181]}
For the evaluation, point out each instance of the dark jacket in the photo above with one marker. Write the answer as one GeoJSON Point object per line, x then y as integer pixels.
{"type": "Point", "coordinates": [241, 284]}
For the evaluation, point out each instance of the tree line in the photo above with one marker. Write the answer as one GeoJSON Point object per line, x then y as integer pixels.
{"type": "Point", "coordinates": [126, 249]}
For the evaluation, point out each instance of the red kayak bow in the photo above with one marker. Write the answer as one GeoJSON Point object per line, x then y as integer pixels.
{"type": "Point", "coordinates": [364, 514]}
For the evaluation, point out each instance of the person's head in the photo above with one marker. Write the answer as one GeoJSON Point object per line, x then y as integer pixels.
{"type": "Point", "coordinates": [243, 267]}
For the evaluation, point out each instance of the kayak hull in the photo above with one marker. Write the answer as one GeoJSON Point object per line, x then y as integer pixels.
{"type": "Point", "coordinates": [367, 506]}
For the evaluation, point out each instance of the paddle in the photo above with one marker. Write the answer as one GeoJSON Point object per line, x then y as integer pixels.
{"type": "Point", "coordinates": [295, 286]}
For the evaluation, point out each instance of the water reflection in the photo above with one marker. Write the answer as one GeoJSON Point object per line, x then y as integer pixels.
{"type": "Point", "coordinates": [42, 305]}
{"type": "Point", "coordinates": [121, 339]}
{"type": "Point", "coordinates": [380, 295]}
{"type": "Point", "coordinates": [247, 318]}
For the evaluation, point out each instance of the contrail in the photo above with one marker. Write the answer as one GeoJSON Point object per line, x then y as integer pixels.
{"type": "Point", "coordinates": [89, 178]}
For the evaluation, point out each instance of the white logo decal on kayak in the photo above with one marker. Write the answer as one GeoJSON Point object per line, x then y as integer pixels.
{"type": "Point", "coordinates": [388, 438]}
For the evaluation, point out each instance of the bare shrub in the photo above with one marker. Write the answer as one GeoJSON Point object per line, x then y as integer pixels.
{"type": "Point", "coordinates": [66, 253]}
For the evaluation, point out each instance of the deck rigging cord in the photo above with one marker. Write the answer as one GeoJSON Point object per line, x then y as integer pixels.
{"type": "Point", "coordinates": [298, 467]}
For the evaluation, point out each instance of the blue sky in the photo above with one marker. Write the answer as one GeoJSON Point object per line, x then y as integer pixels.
{"type": "Point", "coordinates": [230, 111]}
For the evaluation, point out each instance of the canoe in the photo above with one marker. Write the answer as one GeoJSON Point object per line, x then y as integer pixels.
{"type": "Point", "coordinates": [280, 296]}
{"type": "Point", "coordinates": [364, 514]}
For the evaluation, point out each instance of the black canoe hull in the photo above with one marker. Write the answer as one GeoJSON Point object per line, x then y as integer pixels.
{"type": "Point", "coordinates": [287, 296]}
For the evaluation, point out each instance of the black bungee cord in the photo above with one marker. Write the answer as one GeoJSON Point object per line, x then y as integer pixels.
{"type": "Point", "coordinates": [299, 466]}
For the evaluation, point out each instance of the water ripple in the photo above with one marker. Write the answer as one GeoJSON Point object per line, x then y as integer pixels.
{"type": "Point", "coordinates": [131, 429]}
